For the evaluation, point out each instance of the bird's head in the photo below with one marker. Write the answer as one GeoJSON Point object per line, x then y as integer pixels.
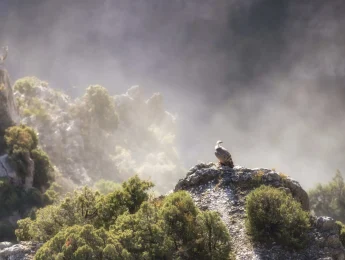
{"type": "Point", "coordinates": [219, 142]}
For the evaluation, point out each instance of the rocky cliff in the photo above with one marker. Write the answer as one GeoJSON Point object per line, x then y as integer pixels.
{"type": "Point", "coordinates": [8, 111]}
{"type": "Point", "coordinates": [224, 190]}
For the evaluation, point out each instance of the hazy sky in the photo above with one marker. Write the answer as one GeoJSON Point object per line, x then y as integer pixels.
{"type": "Point", "coordinates": [265, 76]}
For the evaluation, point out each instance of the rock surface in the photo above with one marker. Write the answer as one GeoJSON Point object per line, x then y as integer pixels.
{"type": "Point", "coordinates": [224, 189]}
{"type": "Point", "coordinates": [8, 110]}
{"type": "Point", "coordinates": [6, 170]}
{"type": "Point", "coordinates": [21, 251]}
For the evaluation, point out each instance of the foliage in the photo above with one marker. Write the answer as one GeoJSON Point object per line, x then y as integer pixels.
{"type": "Point", "coordinates": [82, 243]}
{"type": "Point", "coordinates": [20, 137]}
{"type": "Point", "coordinates": [142, 234]}
{"type": "Point", "coordinates": [43, 168]}
{"type": "Point", "coordinates": [341, 232]}
{"type": "Point", "coordinates": [137, 191]}
{"type": "Point", "coordinates": [179, 213]}
{"type": "Point", "coordinates": [213, 236]}
{"type": "Point", "coordinates": [14, 198]}
{"type": "Point", "coordinates": [97, 106]}
{"type": "Point", "coordinates": [106, 186]}
{"type": "Point", "coordinates": [90, 225]}
{"type": "Point", "coordinates": [21, 143]}
{"type": "Point", "coordinates": [329, 199]}
{"type": "Point", "coordinates": [77, 208]}
{"type": "Point", "coordinates": [20, 140]}
{"type": "Point", "coordinates": [86, 206]}
{"type": "Point", "coordinates": [34, 107]}
{"type": "Point", "coordinates": [129, 198]}
{"type": "Point", "coordinates": [26, 85]}
{"type": "Point", "coordinates": [274, 214]}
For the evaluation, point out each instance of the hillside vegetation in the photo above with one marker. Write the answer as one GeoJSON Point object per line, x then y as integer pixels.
{"type": "Point", "coordinates": [102, 136]}
{"type": "Point", "coordinates": [126, 224]}
{"type": "Point", "coordinates": [84, 187]}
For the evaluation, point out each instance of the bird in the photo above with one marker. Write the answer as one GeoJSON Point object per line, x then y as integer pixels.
{"type": "Point", "coordinates": [4, 55]}
{"type": "Point", "coordinates": [223, 155]}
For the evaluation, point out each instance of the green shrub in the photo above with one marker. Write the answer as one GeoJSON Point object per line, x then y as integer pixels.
{"type": "Point", "coordinates": [341, 232]}
{"type": "Point", "coordinates": [26, 86]}
{"type": "Point", "coordinates": [20, 137]}
{"type": "Point", "coordinates": [43, 168]}
{"type": "Point", "coordinates": [106, 187]}
{"type": "Point", "coordinates": [179, 213]}
{"type": "Point", "coordinates": [213, 237]}
{"type": "Point", "coordinates": [272, 214]}
{"type": "Point", "coordinates": [97, 106]}
{"type": "Point", "coordinates": [89, 225]}
{"type": "Point", "coordinates": [143, 234]}
{"type": "Point", "coordinates": [129, 198]}
{"type": "Point", "coordinates": [328, 199]}
{"type": "Point", "coordinates": [21, 143]}
{"type": "Point", "coordinates": [82, 243]}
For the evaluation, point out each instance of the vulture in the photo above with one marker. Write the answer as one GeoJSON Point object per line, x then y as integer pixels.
{"type": "Point", "coordinates": [223, 155]}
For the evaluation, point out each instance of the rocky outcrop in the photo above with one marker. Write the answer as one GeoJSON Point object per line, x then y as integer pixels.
{"type": "Point", "coordinates": [21, 251]}
{"type": "Point", "coordinates": [8, 110]}
{"type": "Point", "coordinates": [224, 189]}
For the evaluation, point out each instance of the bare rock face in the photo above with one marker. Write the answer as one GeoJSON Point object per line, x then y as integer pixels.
{"type": "Point", "coordinates": [224, 189]}
{"type": "Point", "coordinates": [8, 110]}
{"type": "Point", "coordinates": [7, 171]}
{"type": "Point", "coordinates": [21, 251]}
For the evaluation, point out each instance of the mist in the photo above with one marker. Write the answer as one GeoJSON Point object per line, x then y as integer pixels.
{"type": "Point", "coordinates": [264, 76]}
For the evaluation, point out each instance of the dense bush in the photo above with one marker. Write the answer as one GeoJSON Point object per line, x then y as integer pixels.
{"type": "Point", "coordinates": [26, 85]}
{"type": "Point", "coordinates": [16, 199]}
{"type": "Point", "coordinates": [84, 243]}
{"type": "Point", "coordinates": [179, 213]}
{"type": "Point", "coordinates": [329, 199]}
{"type": "Point", "coordinates": [106, 186]}
{"type": "Point", "coordinates": [20, 138]}
{"type": "Point", "coordinates": [29, 104]}
{"type": "Point", "coordinates": [21, 143]}
{"type": "Point", "coordinates": [341, 232]}
{"type": "Point", "coordinates": [43, 168]}
{"type": "Point", "coordinates": [272, 214]}
{"type": "Point", "coordinates": [125, 224]}
{"type": "Point", "coordinates": [96, 106]}
{"type": "Point", "coordinates": [213, 237]}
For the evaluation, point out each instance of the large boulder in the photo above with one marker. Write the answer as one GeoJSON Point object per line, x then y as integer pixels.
{"type": "Point", "coordinates": [224, 189]}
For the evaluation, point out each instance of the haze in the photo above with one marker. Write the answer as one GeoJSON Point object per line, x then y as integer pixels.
{"type": "Point", "coordinates": [264, 76]}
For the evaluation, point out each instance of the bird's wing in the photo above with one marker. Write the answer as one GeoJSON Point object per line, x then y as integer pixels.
{"type": "Point", "coordinates": [222, 154]}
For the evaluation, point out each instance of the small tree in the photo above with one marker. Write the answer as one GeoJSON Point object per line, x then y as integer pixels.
{"type": "Point", "coordinates": [329, 199]}
{"type": "Point", "coordinates": [272, 214]}
{"type": "Point", "coordinates": [214, 237]}
{"type": "Point", "coordinates": [179, 213]}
